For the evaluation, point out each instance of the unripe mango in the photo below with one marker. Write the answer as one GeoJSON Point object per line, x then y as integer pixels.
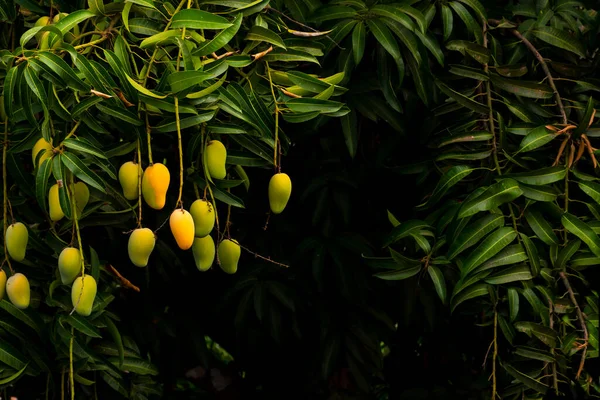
{"type": "Point", "coordinates": [280, 190]}
{"type": "Point", "coordinates": [129, 179]}
{"type": "Point", "coordinates": [229, 253]}
{"type": "Point", "coordinates": [203, 213]}
{"type": "Point", "coordinates": [56, 213]}
{"type": "Point", "coordinates": [42, 21]}
{"type": "Point", "coordinates": [16, 238]}
{"type": "Point", "coordinates": [83, 293]}
{"type": "Point", "coordinates": [69, 264]}
{"type": "Point", "coordinates": [18, 290]}
{"type": "Point", "coordinates": [140, 246]}
{"type": "Point", "coordinates": [155, 183]}
{"type": "Point", "coordinates": [204, 252]}
{"type": "Point", "coordinates": [216, 155]}
{"type": "Point", "coordinates": [182, 227]}
{"type": "Point", "coordinates": [45, 147]}
{"type": "Point", "coordinates": [82, 196]}
{"type": "Point", "coordinates": [2, 283]}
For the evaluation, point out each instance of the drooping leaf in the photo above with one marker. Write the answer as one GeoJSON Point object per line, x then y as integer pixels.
{"type": "Point", "coordinates": [473, 233]}
{"type": "Point", "coordinates": [583, 231]}
{"type": "Point", "coordinates": [559, 38]}
{"type": "Point", "coordinates": [197, 19]}
{"type": "Point", "coordinates": [540, 226]}
{"type": "Point", "coordinates": [491, 246]}
{"type": "Point", "coordinates": [504, 191]}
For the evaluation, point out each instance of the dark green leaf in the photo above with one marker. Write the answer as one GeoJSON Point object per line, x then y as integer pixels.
{"type": "Point", "coordinates": [542, 176]}
{"type": "Point", "coordinates": [437, 277]}
{"type": "Point", "coordinates": [558, 38]}
{"type": "Point", "coordinates": [491, 246]}
{"type": "Point", "coordinates": [504, 191]}
{"type": "Point", "coordinates": [532, 254]}
{"type": "Point", "coordinates": [540, 226]}
{"type": "Point", "coordinates": [461, 99]}
{"type": "Point", "coordinates": [197, 19]}
{"type": "Point", "coordinates": [260, 34]}
{"type": "Point", "coordinates": [517, 273]}
{"type": "Point", "coordinates": [472, 234]}
{"type": "Point", "coordinates": [82, 171]}
{"type": "Point", "coordinates": [469, 293]}
{"type": "Point", "coordinates": [525, 379]}
{"type": "Point", "coordinates": [449, 179]}
{"type": "Point", "coordinates": [405, 229]}
{"type": "Point", "coordinates": [583, 231]}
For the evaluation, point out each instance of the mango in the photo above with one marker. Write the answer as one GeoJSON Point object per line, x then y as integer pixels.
{"type": "Point", "coordinates": [204, 252]}
{"type": "Point", "coordinates": [280, 190]}
{"type": "Point", "coordinates": [56, 213]}
{"type": "Point", "coordinates": [203, 213]}
{"type": "Point", "coordinates": [216, 155]}
{"type": "Point", "coordinates": [129, 179]}
{"type": "Point", "coordinates": [83, 293]}
{"type": "Point", "coordinates": [140, 246]}
{"type": "Point", "coordinates": [69, 264]}
{"type": "Point", "coordinates": [82, 196]}
{"type": "Point", "coordinates": [16, 238]}
{"type": "Point", "coordinates": [229, 253]}
{"type": "Point", "coordinates": [2, 283]}
{"type": "Point", "coordinates": [18, 290]}
{"type": "Point", "coordinates": [155, 183]}
{"type": "Point", "coordinates": [182, 227]}
{"type": "Point", "coordinates": [42, 21]}
{"type": "Point", "coordinates": [41, 145]}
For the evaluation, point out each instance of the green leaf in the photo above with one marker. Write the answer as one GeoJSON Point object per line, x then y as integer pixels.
{"type": "Point", "coordinates": [473, 26]}
{"type": "Point", "coordinates": [510, 255]}
{"type": "Point", "coordinates": [514, 274]}
{"type": "Point", "coordinates": [532, 254]}
{"type": "Point", "coordinates": [300, 105]}
{"type": "Point", "coordinates": [384, 37]}
{"type": "Point", "coordinates": [63, 70]}
{"type": "Point", "coordinates": [160, 38]}
{"type": "Point", "coordinates": [220, 39]}
{"type": "Point", "coordinates": [539, 193]}
{"type": "Point", "coordinates": [82, 171]}
{"type": "Point", "coordinates": [541, 227]}
{"type": "Point", "coordinates": [558, 38]}
{"type": "Point", "coordinates": [591, 189]}
{"type": "Point", "coordinates": [290, 56]}
{"type": "Point", "coordinates": [472, 234]}
{"type": "Point", "coordinates": [541, 176]}
{"type": "Point", "coordinates": [84, 146]}
{"type": "Point", "coordinates": [30, 33]}
{"type": "Point", "coordinates": [405, 229]}
{"type": "Point", "coordinates": [184, 122]}
{"type": "Point", "coordinates": [24, 316]}
{"type": "Point", "coordinates": [447, 21]}
{"type": "Point", "coordinates": [182, 80]}
{"type": "Point", "coordinates": [522, 88]}
{"type": "Point", "coordinates": [461, 99]}
{"type": "Point", "coordinates": [534, 354]}
{"type": "Point", "coordinates": [491, 246]}
{"type": "Point", "coordinates": [537, 137]}
{"type": "Point", "coordinates": [449, 179]}
{"type": "Point", "coordinates": [398, 274]}
{"type": "Point", "coordinates": [11, 356]}
{"type": "Point", "coordinates": [327, 13]}
{"type": "Point", "coordinates": [59, 172]}
{"type": "Point", "coordinates": [478, 52]}
{"type": "Point", "coordinates": [583, 231]}
{"type": "Point", "coordinates": [437, 277]}
{"type": "Point", "coordinates": [566, 253]}
{"type": "Point", "coordinates": [196, 19]}
{"type": "Point", "coordinates": [41, 183]}
{"type": "Point", "coordinates": [350, 131]}
{"type": "Point", "coordinates": [260, 34]}
{"type": "Point", "coordinates": [135, 365]}
{"type": "Point", "coordinates": [513, 303]}
{"type": "Point", "coordinates": [525, 379]}
{"type": "Point", "coordinates": [469, 293]}
{"type": "Point", "coordinates": [477, 7]}
{"type": "Point", "coordinates": [142, 89]}
{"type": "Point", "coordinates": [467, 137]}
{"type": "Point", "coordinates": [82, 325]}
{"type": "Point", "coordinates": [432, 45]}
{"type": "Point", "coordinates": [70, 21]}
{"type": "Point", "coordinates": [13, 376]}
{"type": "Point", "coordinates": [393, 13]}
{"type": "Point", "coordinates": [114, 332]}
{"type": "Point", "coordinates": [504, 191]}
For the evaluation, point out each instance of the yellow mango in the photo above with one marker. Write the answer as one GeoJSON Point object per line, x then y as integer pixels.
{"type": "Point", "coordinates": [229, 253]}
{"type": "Point", "coordinates": [69, 264]}
{"type": "Point", "coordinates": [56, 213]}
{"type": "Point", "coordinates": [83, 293]}
{"type": "Point", "coordinates": [216, 155]}
{"type": "Point", "coordinates": [18, 290]}
{"type": "Point", "coordinates": [2, 283]}
{"type": "Point", "coordinates": [140, 246]}
{"type": "Point", "coordinates": [280, 190]}
{"type": "Point", "coordinates": [41, 145]}
{"type": "Point", "coordinates": [203, 213]}
{"type": "Point", "coordinates": [16, 238]}
{"type": "Point", "coordinates": [182, 227]}
{"type": "Point", "coordinates": [42, 21]}
{"type": "Point", "coordinates": [155, 183]}
{"type": "Point", "coordinates": [129, 179]}
{"type": "Point", "coordinates": [204, 252]}
{"type": "Point", "coordinates": [82, 196]}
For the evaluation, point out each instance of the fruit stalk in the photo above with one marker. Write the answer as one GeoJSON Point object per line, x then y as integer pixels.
{"type": "Point", "coordinates": [5, 193]}
{"type": "Point", "coordinates": [71, 376]}
{"type": "Point", "coordinates": [277, 166]}
{"type": "Point", "coordinates": [149, 141]}
{"type": "Point", "coordinates": [72, 130]}
{"type": "Point", "coordinates": [139, 160]}
{"type": "Point", "coordinates": [206, 177]}
{"type": "Point", "coordinates": [179, 203]}
{"type": "Point", "coordinates": [76, 222]}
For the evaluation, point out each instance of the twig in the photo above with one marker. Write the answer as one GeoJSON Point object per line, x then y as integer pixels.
{"type": "Point", "coordinates": [299, 23]}
{"type": "Point", "coordinates": [262, 53]}
{"type": "Point", "coordinates": [554, 376]}
{"type": "Point", "coordinates": [581, 319]}
{"type": "Point", "coordinates": [229, 53]}
{"type": "Point", "coordinates": [100, 94]}
{"type": "Point", "coordinates": [264, 258]}
{"type": "Point", "coordinates": [124, 281]}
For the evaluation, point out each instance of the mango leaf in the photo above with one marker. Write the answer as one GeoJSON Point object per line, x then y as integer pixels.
{"type": "Point", "coordinates": [84, 146]}
{"type": "Point", "coordinates": [384, 37]}
{"type": "Point", "coordinates": [539, 193]}
{"type": "Point", "coordinates": [11, 356]}
{"type": "Point", "coordinates": [583, 231]}
{"type": "Point", "coordinates": [82, 171]}
{"type": "Point", "coordinates": [449, 179]}
{"type": "Point", "coordinates": [399, 274]}
{"type": "Point", "coordinates": [592, 189]}
{"type": "Point", "coordinates": [515, 253]}
{"type": "Point", "coordinates": [197, 19]}
{"type": "Point", "coordinates": [534, 354]}
{"type": "Point", "coordinates": [491, 246]}
{"type": "Point", "coordinates": [220, 39]}
{"type": "Point", "coordinates": [558, 38]}
{"type": "Point", "coordinates": [474, 233]}
{"type": "Point", "coordinates": [541, 176]}
{"type": "Point", "coordinates": [301, 105]}
{"type": "Point", "coordinates": [522, 88]}
{"type": "Point", "coordinates": [13, 376]}
{"type": "Point", "coordinates": [437, 277]}
{"type": "Point", "coordinates": [461, 99]}
{"type": "Point", "coordinates": [537, 137]}
{"type": "Point", "coordinates": [514, 274]}
{"type": "Point", "coordinates": [82, 325]}
{"type": "Point", "coordinates": [447, 21]}
{"type": "Point", "coordinates": [260, 34]}
{"type": "Point", "coordinates": [540, 226]}
{"type": "Point", "coordinates": [532, 254]}
{"type": "Point", "coordinates": [513, 303]}
{"type": "Point", "coordinates": [525, 379]}
{"type": "Point", "coordinates": [405, 229]}
{"type": "Point", "coordinates": [478, 52]}
{"type": "Point", "coordinates": [469, 293]}
{"type": "Point", "coordinates": [499, 193]}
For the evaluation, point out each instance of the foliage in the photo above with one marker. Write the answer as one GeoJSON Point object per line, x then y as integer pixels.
{"type": "Point", "coordinates": [450, 99]}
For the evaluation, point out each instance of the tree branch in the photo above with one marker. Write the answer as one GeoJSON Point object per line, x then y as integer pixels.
{"type": "Point", "coordinates": [581, 319]}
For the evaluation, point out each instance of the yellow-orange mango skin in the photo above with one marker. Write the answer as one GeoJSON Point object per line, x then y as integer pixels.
{"type": "Point", "coordinates": [140, 246]}
{"type": "Point", "coordinates": [182, 227]}
{"type": "Point", "coordinates": [83, 301]}
{"type": "Point", "coordinates": [129, 180]}
{"type": "Point", "coordinates": [3, 279]}
{"type": "Point", "coordinates": [280, 190]}
{"type": "Point", "coordinates": [56, 213]}
{"type": "Point", "coordinates": [203, 213]}
{"type": "Point", "coordinates": [17, 237]}
{"type": "Point", "coordinates": [204, 252]}
{"type": "Point", "coordinates": [82, 196]}
{"type": "Point", "coordinates": [155, 183]}
{"type": "Point", "coordinates": [69, 264]}
{"type": "Point", "coordinates": [216, 155]}
{"type": "Point", "coordinates": [45, 147]}
{"type": "Point", "coordinates": [229, 253]}
{"type": "Point", "coordinates": [18, 290]}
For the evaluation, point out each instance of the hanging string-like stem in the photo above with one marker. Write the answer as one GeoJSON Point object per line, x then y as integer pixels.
{"type": "Point", "coordinates": [139, 163]}
{"type": "Point", "coordinates": [75, 216]}
{"type": "Point", "coordinates": [180, 148]}
{"type": "Point", "coordinates": [149, 138]}
{"type": "Point", "coordinates": [275, 148]}
{"type": "Point", "coordinates": [5, 194]}
{"type": "Point", "coordinates": [71, 377]}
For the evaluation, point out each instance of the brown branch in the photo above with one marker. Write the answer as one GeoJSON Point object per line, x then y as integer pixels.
{"type": "Point", "coordinates": [539, 57]}
{"type": "Point", "coordinates": [262, 53]}
{"type": "Point", "coordinates": [124, 281]}
{"type": "Point", "coordinates": [581, 319]}
{"type": "Point", "coordinates": [265, 258]}
{"type": "Point", "coordinates": [229, 53]}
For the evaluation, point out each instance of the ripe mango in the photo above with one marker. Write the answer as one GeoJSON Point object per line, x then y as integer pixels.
{"type": "Point", "coordinates": [69, 264]}
{"type": "Point", "coordinates": [83, 293]}
{"type": "Point", "coordinates": [82, 196]}
{"type": "Point", "coordinates": [182, 227]}
{"type": "Point", "coordinates": [203, 214]}
{"type": "Point", "coordinates": [204, 252]}
{"type": "Point", "coordinates": [229, 253]}
{"type": "Point", "coordinates": [18, 290]}
{"type": "Point", "coordinates": [216, 155]}
{"type": "Point", "coordinates": [41, 145]}
{"type": "Point", "coordinates": [2, 283]}
{"type": "Point", "coordinates": [155, 183]}
{"type": "Point", "coordinates": [280, 190]}
{"type": "Point", "coordinates": [140, 246]}
{"type": "Point", "coordinates": [129, 180]}
{"type": "Point", "coordinates": [16, 238]}
{"type": "Point", "coordinates": [56, 213]}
